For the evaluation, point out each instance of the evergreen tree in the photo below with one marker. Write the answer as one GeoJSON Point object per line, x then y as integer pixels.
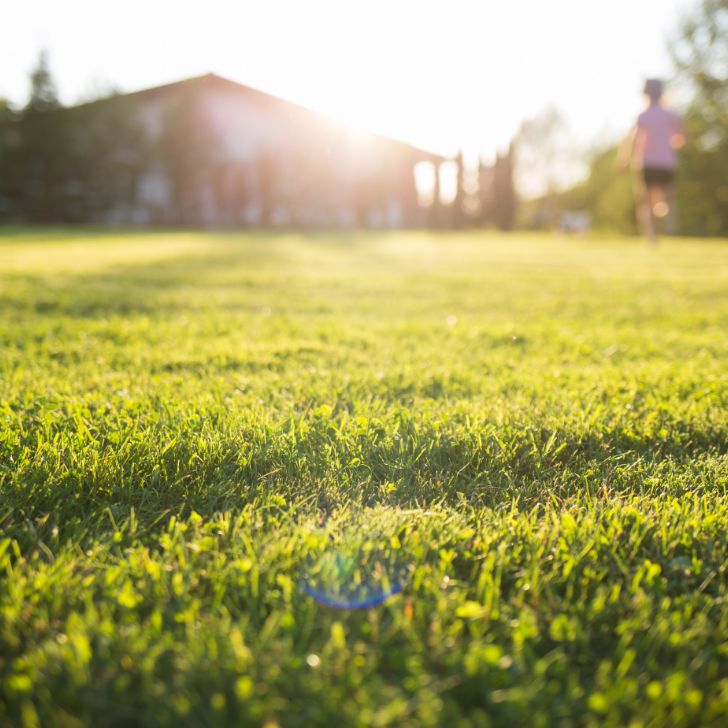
{"type": "Point", "coordinates": [40, 163]}
{"type": "Point", "coordinates": [43, 93]}
{"type": "Point", "coordinates": [458, 216]}
{"type": "Point", "coordinates": [8, 154]}
{"type": "Point", "coordinates": [436, 214]}
{"type": "Point", "coordinates": [485, 192]}
{"type": "Point", "coordinates": [504, 194]}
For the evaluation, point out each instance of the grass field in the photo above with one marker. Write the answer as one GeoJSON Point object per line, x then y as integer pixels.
{"type": "Point", "coordinates": [534, 430]}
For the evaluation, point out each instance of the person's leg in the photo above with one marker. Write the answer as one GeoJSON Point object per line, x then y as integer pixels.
{"type": "Point", "coordinates": [645, 218]}
{"type": "Point", "coordinates": [658, 207]}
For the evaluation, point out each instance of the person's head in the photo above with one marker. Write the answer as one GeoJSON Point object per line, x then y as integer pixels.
{"type": "Point", "coordinates": [653, 89]}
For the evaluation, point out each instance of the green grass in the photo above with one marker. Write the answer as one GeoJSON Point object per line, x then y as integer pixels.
{"type": "Point", "coordinates": [535, 428]}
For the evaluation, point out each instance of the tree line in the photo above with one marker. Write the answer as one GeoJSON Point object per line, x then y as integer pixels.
{"type": "Point", "coordinates": [92, 162]}
{"type": "Point", "coordinates": [75, 164]}
{"type": "Point", "coordinates": [64, 165]}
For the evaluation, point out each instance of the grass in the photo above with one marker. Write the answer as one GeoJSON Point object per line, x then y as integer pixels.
{"type": "Point", "coordinates": [534, 429]}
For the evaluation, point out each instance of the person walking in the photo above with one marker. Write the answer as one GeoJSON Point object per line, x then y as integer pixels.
{"type": "Point", "coordinates": [651, 147]}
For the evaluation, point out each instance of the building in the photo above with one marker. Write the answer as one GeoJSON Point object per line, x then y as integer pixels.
{"type": "Point", "coordinates": [208, 151]}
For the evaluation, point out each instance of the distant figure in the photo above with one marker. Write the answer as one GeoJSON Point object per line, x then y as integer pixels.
{"type": "Point", "coordinates": [652, 148]}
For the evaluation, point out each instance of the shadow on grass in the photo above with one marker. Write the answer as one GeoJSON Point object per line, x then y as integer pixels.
{"type": "Point", "coordinates": [224, 262]}
{"type": "Point", "coordinates": [121, 290]}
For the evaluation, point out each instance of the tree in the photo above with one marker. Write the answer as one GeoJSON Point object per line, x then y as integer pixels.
{"type": "Point", "coordinates": [606, 194]}
{"type": "Point", "coordinates": [107, 150]}
{"type": "Point", "coordinates": [458, 204]}
{"type": "Point", "coordinates": [435, 217]}
{"type": "Point", "coordinates": [485, 192]}
{"type": "Point", "coordinates": [548, 163]}
{"type": "Point", "coordinates": [548, 160]}
{"type": "Point", "coordinates": [43, 93]}
{"type": "Point", "coordinates": [40, 163]}
{"type": "Point", "coordinates": [504, 194]}
{"type": "Point", "coordinates": [700, 52]}
{"type": "Point", "coordinates": [8, 171]}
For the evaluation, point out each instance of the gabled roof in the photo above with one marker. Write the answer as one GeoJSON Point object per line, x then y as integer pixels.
{"type": "Point", "coordinates": [212, 80]}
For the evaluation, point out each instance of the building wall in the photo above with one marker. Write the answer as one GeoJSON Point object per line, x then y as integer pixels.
{"type": "Point", "coordinates": [246, 159]}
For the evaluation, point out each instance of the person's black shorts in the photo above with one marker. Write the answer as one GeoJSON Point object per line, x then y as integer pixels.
{"type": "Point", "coordinates": [657, 176]}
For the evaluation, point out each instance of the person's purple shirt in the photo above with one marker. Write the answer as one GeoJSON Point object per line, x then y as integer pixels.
{"type": "Point", "coordinates": [658, 130]}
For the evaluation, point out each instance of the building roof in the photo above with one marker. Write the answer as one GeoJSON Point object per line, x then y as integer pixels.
{"type": "Point", "coordinates": [212, 80]}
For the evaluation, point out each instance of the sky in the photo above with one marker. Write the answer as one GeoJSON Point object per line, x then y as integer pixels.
{"type": "Point", "coordinates": [441, 74]}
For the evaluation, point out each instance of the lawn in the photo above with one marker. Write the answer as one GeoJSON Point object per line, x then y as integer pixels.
{"type": "Point", "coordinates": [526, 436]}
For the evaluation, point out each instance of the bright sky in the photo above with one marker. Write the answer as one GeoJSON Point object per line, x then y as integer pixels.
{"type": "Point", "coordinates": [441, 74]}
